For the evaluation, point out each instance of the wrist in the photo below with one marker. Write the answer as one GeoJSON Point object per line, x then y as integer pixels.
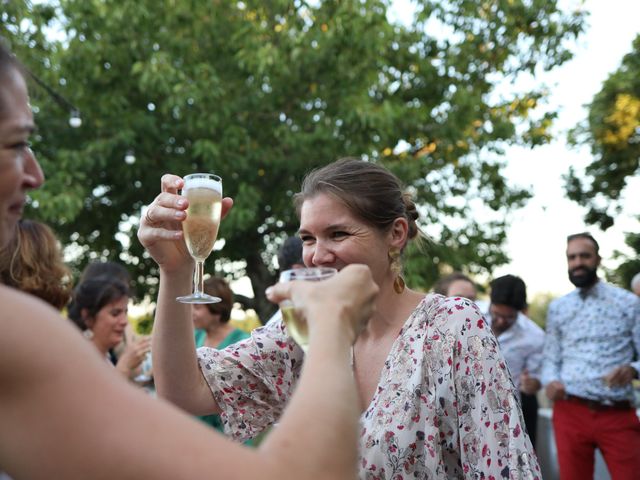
{"type": "Point", "coordinates": [184, 272]}
{"type": "Point", "coordinates": [124, 369]}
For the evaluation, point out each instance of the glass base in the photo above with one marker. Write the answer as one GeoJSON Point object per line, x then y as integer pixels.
{"type": "Point", "coordinates": [199, 298]}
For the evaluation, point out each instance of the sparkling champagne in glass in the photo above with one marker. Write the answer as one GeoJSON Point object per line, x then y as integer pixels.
{"type": "Point", "coordinates": [296, 324]}
{"type": "Point", "coordinates": [204, 192]}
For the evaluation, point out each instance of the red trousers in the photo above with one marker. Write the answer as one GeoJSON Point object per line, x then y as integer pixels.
{"type": "Point", "coordinates": [579, 430]}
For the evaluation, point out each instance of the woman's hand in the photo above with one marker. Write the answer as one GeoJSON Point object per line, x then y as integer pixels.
{"type": "Point", "coordinates": [160, 231]}
{"type": "Point", "coordinates": [133, 355]}
{"type": "Point", "coordinates": [344, 301]}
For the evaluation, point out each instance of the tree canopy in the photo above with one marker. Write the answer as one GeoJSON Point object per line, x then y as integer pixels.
{"type": "Point", "coordinates": [613, 133]}
{"type": "Point", "coordinates": [261, 92]}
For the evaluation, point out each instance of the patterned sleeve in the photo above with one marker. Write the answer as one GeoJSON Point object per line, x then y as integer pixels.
{"type": "Point", "coordinates": [252, 380]}
{"type": "Point", "coordinates": [551, 354]}
{"type": "Point", "coordinates": [491, 438]}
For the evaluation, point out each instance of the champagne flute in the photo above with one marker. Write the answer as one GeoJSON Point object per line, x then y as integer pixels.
{"type": "Point", "coordinates": [296, 324]}
{"type": "Point", "coordinates": [145, 369]}
{"type": "Point", "coordinates": [204, 192]}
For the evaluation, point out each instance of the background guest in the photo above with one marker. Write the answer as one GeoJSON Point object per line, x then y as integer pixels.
{"type": "Point", "coordinates": [521, 342]}
{"type": "Point", "coordinates": [99, 308]}
{"type": "Point", "coordinates": [591, 355]}
{"type": "Point", "coordinates": [456, 284]}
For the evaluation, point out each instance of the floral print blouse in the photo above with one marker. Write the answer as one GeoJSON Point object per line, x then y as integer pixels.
{"type": "Point", "coordinates": [445, 406]}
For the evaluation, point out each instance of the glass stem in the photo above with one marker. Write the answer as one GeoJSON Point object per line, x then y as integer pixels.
{"type": "Point", "coordinates": [198, 278]}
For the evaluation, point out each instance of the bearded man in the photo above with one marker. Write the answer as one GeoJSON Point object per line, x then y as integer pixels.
{"type": "Point", "coordinates": [590, 357]}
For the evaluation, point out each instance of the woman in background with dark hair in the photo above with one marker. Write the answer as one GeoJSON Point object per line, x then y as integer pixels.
{"type": "Point", "coordinates": [107, 268]}
{"type": "Point", "coordinates": [99, 308]}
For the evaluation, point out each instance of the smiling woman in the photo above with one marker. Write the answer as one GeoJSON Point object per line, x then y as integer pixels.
{"type": "Point", "coordinates": [435, 396]}
{"type": "Point", "coordinates": [99, 309]}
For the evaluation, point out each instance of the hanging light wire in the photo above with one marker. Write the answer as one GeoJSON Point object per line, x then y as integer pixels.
{"type": "Point", "coordinates": [75, 120]}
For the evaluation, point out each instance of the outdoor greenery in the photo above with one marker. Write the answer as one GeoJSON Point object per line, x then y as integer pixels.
{"type": "Point", "coordinates": [628, 264]}
{"type": "Point", "coordinates": [613, 133]}
{"type": "Point", "coordinates": [538, 306]}
{"type": "Point", "coordinates": [261, 92]}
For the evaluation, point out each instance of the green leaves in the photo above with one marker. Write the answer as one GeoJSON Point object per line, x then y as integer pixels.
{"type": "Point", "coordinates": [261, 92]}
{"type": "Point", "coordinates": [613, 133]}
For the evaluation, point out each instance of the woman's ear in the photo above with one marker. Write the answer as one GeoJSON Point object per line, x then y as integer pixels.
{"type": "Point", "coordinates": [399, 232]}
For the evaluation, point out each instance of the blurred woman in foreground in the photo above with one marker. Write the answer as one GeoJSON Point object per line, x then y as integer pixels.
{"type": "Point", "coordinates": [65, 414]}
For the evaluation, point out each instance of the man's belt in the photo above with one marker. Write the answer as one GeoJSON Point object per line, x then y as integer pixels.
{"type": "Point", "coordinates": [599, 406]}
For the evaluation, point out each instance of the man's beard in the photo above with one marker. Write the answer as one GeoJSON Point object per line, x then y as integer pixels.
{"type": "Point", "coordinates": [584, 279]}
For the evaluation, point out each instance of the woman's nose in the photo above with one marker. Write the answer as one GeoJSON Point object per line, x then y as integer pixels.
{"type": "Point", "coordinates": [322, 255]}
{"type": "Point", "coordinates": [33, 175]}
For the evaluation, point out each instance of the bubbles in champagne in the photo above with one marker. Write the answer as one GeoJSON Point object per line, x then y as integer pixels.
{"type": "Point", "coordinates": [202, 222]}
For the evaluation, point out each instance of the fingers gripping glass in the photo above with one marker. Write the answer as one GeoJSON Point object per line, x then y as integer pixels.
{"type": "Point", "coordinates": [294, 321]}
{"type": "Point", "coordinates": [200, 228]}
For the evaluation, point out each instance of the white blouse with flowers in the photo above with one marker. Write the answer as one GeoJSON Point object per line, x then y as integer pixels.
{"type": "Point", "coordinates": [445, 406]}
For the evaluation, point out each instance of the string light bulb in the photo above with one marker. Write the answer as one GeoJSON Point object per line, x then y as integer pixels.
{"type": "Point", "coordinates": [130, 157]}
{"type": "Point", "coordinates": [75, 120]}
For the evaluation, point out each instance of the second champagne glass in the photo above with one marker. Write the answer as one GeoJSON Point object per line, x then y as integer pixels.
{"type": "Point", "coordinates": [204, 192]}
{"type": "Point", "coordinates": [296, 324]}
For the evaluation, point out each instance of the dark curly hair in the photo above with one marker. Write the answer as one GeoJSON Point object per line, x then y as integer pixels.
{"type": "Point", "coordinates": [93, 294]}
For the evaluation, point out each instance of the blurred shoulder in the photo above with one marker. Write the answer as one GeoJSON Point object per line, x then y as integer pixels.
{"type": "Point", "coordinates": [16, 303]}
{"type": "Point", "coordinates": [23, 318]}
{"type": "Point", "coordinates": [564, 300]}
{"type": "Point", "coordinates": [455, 312]}
{"type": "Point", "coordinates": [621, 293]}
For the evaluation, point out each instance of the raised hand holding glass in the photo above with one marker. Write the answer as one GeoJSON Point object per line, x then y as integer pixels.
{"type": "Point", "coordinates": [204, 192]}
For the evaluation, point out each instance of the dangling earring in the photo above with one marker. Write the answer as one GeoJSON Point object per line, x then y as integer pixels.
{"type": "Point", "coordinates": [88, 334]}
{"type": "Point", "coordinates": [396, 268]}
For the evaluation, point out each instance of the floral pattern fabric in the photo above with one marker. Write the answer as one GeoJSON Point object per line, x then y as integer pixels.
{"type": "Point", "coordinates": [445, 406]}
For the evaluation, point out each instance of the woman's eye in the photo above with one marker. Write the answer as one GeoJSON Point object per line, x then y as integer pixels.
{"type": "Point", "coordinates": [306, 238]}
{"type": "Point", "coordinates": [20, 146]}
{"type": "Point", "coordinates": [339, 234]}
